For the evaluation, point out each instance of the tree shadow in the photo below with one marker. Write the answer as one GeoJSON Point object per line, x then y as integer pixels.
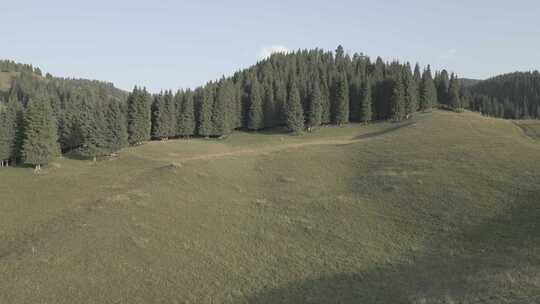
{"type": "Point", "coordinates": [496, 262]}
{"type": "Point", "coordinates": [387, 130]}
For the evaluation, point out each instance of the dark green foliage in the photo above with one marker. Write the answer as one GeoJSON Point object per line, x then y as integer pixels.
{"type": "Point", "coordinates": [41, 137]}
{"type": "Point", "coordinates": [139, 116]}
{"type": "Point", "coordinates": [93, 127]}
{"type": "Point", "coordinates": [514, 95]}
{"type": "Point", "coordinates": [11, 131]}
{"type": "Point", "coordinates": [280, 98]}
{"type": "Point", "coordinates": [255, 112]}
{"type": "Point", "coordinates": [398, 102]}
{"type": "Point", "coordinates": [454, 93]}
{"type": "Point", "coordinates": [221, 114]}
{"type": "Point", "coordinates": [341, 100]}
{"type": "Point", "coordinates": [411, 92]}
{"type": "Point", "coordinates": [163, 116]}
{"type": "Point", "coordinates": [294, 111]}
{"type": "Point", "coordinates": [428, 92]}
{"type": "Point", "coordinates": [205, 99]}
{"type": "Point", "coordinates": [186, 114]}
{"type": "Point", "coordinates": [314, 116]}
{"type": "Point", "coordinates": [269, 106]}
{"type": "Point", "coordinates": [116, 127]}
{"type": "Point", "coordinates": [442, 82]}
{"type": "Point", "coordinates": [366, 112]}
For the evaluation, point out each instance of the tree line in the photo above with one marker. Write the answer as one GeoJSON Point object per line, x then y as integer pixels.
{"type": "Point", "coordinates": [513, 96]}
{"type": "Point", "coordinates": [298, 91]}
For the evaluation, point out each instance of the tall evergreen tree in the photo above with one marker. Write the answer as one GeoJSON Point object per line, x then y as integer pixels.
{"type": "Point", "coordinates": [294, 111]}
{"type": "Point", "coordinates": [93, 126]}
{"type": "Point", "coordinates": [206, 103]}
{"type": "Point", "coordinates": [428, 96]}
{"type": "Point", "coordinates": [443, 85]}
{"type": "Point", "coordinates": [366, 111]}
{"type": "Point", "coordinates": [398, 106]}
{"type": "Point", "coordinates": [314, 117]}
{"type": "Point", "coordinates": [41, 133]}
{"type": "Point", "coordinates": [255, 112]}
{"type": "Point", "coordinates": [220, 113]}
{"type": "Point", "coordinates": [411, 91]}
{"type": "Point", "coordinates": [11, 127]}
{"type": "Point", "coordinates": [116, 127]}
{"type": "Point", "coordinates": [139, 116]}
{"type": "Point", "coordinates": [186, 121]}
{"type": "Point", "coordinates": [269, 106]}
{"type": "Point", "coordinates": [454, 93]}
{"type": "Point", "coordinates": [341, 100]}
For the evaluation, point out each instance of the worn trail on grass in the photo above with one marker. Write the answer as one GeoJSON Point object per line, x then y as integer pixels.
{"type": "Point", "coordinates": [277, 148]}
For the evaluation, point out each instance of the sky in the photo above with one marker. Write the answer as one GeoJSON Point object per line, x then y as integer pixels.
{"type": "Point", "coordinates": [179, 44]}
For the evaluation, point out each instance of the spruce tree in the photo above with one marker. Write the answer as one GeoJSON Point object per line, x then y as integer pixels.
{"type": "Point", "coordinates": [411, 90]}
{"type": "Point", "coordinates": [428, 96]}
{"type": "Point", "coordinates": [139, 116]}
{"type": "Point", "coordinates": [314, 117]}
{"type": "Point", "coordinates": [269, 106]}
{"type": "Point", "coordinates": [294, 111]}
{"type": "Point", "coordinates": [186, 122]}
{"type": "Point", "coordinates": [220, 112]}
{"type": "Point", "coordinates": [160, 117]}
{"type": "Point", "coordinates": [280, 97]}
{"type": "Point", "coordinates": [443, 85]}
{"type": "Point", "coordinates": [41, 133]}
{"type": "Point", "coordinates": [170, 114]}
{"type": "Point", "coordinates": [255, 112]}
{"type": "Point", "coordinates": [206, 103]}
{"type": "Point", "coordinates": [116, 127]}
{"type": "Point", "coordinates": [398, 111]}
{"type": "Point", "coordinates": [11, 128]}
{"type": "Point", "coordinates": [366, 112]}
{"type": "Point", "coordinates": [341, 100]}
{"type": "Point", "coordinates": [93, 126]}
{"type": "Point", "coordinates": [454, 92]}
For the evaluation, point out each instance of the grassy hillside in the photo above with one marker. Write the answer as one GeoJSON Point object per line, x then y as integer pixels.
{"type": "Point", "coordinates": [441, 209]}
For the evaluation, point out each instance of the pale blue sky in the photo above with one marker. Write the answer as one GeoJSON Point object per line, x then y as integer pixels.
{"type": "Point", "coordinates": [174, 44]}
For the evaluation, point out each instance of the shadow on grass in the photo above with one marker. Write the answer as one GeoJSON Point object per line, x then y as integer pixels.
{"type": "Point", "coordinates": [387, 130]}
{"type": "Point", "coordinates": [496, 262]}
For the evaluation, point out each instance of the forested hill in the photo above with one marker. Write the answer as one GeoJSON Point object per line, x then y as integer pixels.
{"type": "Point", "coordinates": [26, 81]}
{"type": "Point", "coordinates": [515, 95]}
{"type": "Point", "coordinates": [299, 91]}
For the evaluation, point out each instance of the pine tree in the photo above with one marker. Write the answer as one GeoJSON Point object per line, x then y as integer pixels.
{"type": "Point", "coordinates": [411, 90]}
{"type": "Point", "coordinates": [255, 112]}
{"type": "Point", "coordinates": [41, 134]}
{"type": "Point", "coordinates": [294, 111]}
{"type": "Point", "coordinates": [314, 117]}
{"type": "Point", "coordinates": [220, 113]}
{"type": "Point", "coordinates": [366, 112]}
{"type": "Point", "coordinates": [206, 103]}
{"type": "Point", "coordinates": [428, 97]}
{"type": "Point", "coordinates": [280, 97]}
{"type": "Point", "coordinates": [160, 118]}
{"type": "Point", "coordinates": [139, 116]}
{"type": "Point", "coordinates": [443, 84]}
{"type": "Point", "coordinates": [398, 102]}
{"type": "Point", "coordinates": [186, 122]}
{"type": "Point", "coordinates": [7, 137]}
{"type": "Point", "coordinates": [269, 106]}
{"type": "Point", "coordinates": [454, 92]}
{"type": "Point", "coordinates": [170, 114]}
{"type": "Point", "coordinates": [116, 127]}
{"type": "Point", "coordinates": [92, 129]}
{"type": "Point", "coordinates": [341, 100]}
{"type": "Point", "coordinates": [11, 127]}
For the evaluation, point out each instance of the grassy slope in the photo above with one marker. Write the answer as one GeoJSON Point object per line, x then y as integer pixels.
{"type": "Point", "coordinates": [445, 209]}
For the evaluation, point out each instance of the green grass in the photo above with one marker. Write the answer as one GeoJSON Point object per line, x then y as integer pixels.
{"type": "Point", "coordinates": [443, 209]}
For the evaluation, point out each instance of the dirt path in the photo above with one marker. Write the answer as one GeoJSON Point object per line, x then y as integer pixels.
{"type": "Point", "coordinates": [265, 150]}
{"type": "Point", "coordinates": [277, 148]}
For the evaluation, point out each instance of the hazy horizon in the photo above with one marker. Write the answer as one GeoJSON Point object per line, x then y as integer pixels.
{"type": "Point", "coordinates": [173, 45]}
